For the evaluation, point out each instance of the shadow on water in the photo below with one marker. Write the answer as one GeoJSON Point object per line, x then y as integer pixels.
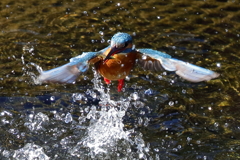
{"type": "Point", "coordinates": [158, 116]}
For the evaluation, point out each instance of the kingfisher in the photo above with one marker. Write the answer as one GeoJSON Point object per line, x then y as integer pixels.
{"type": "Point", "coordinates": [115, 62]}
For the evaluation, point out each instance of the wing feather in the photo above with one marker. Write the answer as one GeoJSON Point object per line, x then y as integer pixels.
{"type": "Point", "coordinates": [69, 72]}
{"type": "Point", "coordinates": [157, 61]}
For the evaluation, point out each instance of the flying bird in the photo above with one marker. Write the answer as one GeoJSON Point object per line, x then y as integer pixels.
{"type": "Point", "coordinates": [117, 60]}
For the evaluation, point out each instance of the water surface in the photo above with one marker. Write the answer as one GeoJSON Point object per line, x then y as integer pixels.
{"type": "Point", "coordinates": [158, 116]}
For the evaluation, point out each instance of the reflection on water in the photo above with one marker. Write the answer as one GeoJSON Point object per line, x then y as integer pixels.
{"type": "Point", "coordinates": [158, 116]}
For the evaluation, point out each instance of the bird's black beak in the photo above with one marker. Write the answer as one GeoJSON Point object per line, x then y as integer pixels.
{"type": "Point", "coordinates": [113, 51]}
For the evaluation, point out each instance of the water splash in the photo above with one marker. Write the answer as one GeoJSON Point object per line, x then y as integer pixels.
{"type": "Point", "coordinates": [106, 136]}
{"type": "Point", "coordinates": [33, 76]}
{"type": "Point", "coordinates": [31, 152]}
{"type": "Point", "coordinates": [36, 122]}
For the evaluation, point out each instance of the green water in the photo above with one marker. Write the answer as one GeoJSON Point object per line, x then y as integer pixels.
{"type": "Point", "coordinates": [179, 120]}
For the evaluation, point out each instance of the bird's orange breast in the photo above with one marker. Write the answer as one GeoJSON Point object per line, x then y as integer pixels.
{"type": "Point", "coordinates": [118, 67]}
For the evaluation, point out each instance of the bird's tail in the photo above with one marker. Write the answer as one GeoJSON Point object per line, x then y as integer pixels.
{"type": "Point", "coordinates": [188, 71]}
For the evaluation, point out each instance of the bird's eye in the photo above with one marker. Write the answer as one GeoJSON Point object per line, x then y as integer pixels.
{"type": "Point", "coordinates": [121, 45]}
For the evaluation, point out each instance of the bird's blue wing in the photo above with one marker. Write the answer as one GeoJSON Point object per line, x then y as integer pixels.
{"type": "Point", "coordinates": [69, 72]}
{"type": "Point", "coordinates": [156, 60]}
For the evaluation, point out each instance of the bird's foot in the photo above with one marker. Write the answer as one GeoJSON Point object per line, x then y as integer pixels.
{"type": "Point", "coordinates": [120, 84]}
{"type": "Point", "coordinates": [107, 81]}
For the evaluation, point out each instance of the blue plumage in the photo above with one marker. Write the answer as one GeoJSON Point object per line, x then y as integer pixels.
{"type": "Point", "coordinates": [122, 43]}
{"type": "Point", "coordinates": [120, 39]}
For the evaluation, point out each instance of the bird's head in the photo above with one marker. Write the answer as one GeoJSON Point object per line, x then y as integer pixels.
{"type": "Point", "coordinates": [120, 43]}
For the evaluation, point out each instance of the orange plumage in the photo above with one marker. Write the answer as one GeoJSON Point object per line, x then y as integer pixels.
{"type": "Point", "coordinates": [116, 61]}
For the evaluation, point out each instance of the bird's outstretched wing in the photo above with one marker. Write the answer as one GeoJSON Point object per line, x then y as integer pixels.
{"type": "Point", "coordinates": [156, 60]}
{"type": "Point", "coordinates": [69, 72]}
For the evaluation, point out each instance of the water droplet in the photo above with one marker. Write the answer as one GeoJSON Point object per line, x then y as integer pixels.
{"type": "Point", "coordinates": [68, 118]}
{"type": "Point", "coordinates": [31, 50]}
{"type": "Point", "coordinates": [23, 62]}
{"type": "Point", "coordinates": [52, 98]}
{"type": "Point", "coordinates": [179, 146]}
{"type": "Point", "coordinates": [184, 91]}
{"type": "Point", "coordinates": [127, 78]}
{"type": "Point", "coordinates": [134, 86]}
{"type": "Point", "coordinates": [226, 125]}
{"type": "Point", "coordinates": [135, 96]}
{"type": "Point", "coordinates": [6, 153]}
{"type": "Point", "coordinates": [160, 77]}
{"type": "Point", "coordinates": [189, 139]}
{"type": "Point", "coordinates": [144, 57]}
{"type": "Point", "coordinates": [94, 95]}
{"type": "Point", "coordinates": [148, 92]}
{"type": "Point", "coordinates": [171, 103]}
{"type": "Point", "coordinates": [101, 33]}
